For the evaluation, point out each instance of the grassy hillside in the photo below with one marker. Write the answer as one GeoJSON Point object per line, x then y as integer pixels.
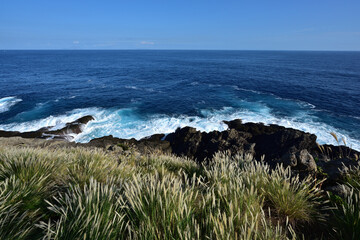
{"type": "Point", "coordinates": [78, 193]}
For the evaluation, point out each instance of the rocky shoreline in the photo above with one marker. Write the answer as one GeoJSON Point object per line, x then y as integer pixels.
{"type": "Point", "coordinates": [270, 143]}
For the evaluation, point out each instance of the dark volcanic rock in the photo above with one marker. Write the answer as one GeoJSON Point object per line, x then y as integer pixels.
{"type": "Point", "coordinates": [335, 169]}
{"type": "Point", "coordinates": [201, 145]}
{"type": "Point", "coordinates": [334, 152]}
{"type": "Point", "coordinates": [234, 124]}
{"type": "Point", "coordinates": [185, 141]}
{"type": "Point", "coordinates": [34, 134]}
{"type": "Point", "coordinates": [145, 145]}
{"type": "Point", "coordinates": [154, 142]}
{"type": "Point", "coordinates": [278, 144]}
{"type": "Point", "coordinates": [338, 189]}
{"type": "Point", "coordinates": [105, 142]}
{"type": "Point", "coordinates": [74, 127]}
{"type": "Point", "coordinates": [306, 161]}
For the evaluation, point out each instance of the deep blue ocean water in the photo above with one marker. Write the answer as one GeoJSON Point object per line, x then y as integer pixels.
{"type": "Point", "coordinates": [137, 93]}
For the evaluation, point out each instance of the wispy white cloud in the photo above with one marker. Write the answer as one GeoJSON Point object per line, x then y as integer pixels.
{"type": "Point", "coordinates": [76, 42]}
{"type": "Point", "coordinates": [147, 43]}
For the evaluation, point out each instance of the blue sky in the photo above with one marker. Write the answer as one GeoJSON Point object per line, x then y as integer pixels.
{"type": "Point", "coordinates": [173, 24]}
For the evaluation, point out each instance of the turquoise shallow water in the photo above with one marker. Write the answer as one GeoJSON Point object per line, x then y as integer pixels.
{"type": "Point", "coordinates": [138, 93]}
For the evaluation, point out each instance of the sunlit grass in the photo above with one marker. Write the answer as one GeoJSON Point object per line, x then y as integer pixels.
{"type": "Point", "coordinates": [93, 194]}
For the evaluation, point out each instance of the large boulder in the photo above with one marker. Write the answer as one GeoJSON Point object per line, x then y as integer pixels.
{"type": "Point", "coordinates": [306, 161]}
{"type": "Point", "coordinates": [299, 160]}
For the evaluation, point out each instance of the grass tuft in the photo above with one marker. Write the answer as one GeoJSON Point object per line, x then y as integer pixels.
{"type": "Point", "coordinates": [79, 193]}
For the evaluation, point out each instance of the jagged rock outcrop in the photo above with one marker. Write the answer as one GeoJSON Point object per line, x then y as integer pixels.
{"type": "Point", "coordinates": [275, 141]}
{"type": "Point", "coordinates": [201, 145]}
{"type": "Point", "coordinates": [277, 144]}
{"type": "Point", "coordinates": [65, 133]}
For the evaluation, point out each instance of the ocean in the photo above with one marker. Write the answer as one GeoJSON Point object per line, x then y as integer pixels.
{"type": "Point", "coordinates": [136, 93]}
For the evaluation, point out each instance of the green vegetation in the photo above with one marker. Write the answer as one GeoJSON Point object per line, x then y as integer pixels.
{"type": "Point", "coordinates": [77, 193]}
{"type": "Point", "coordinates": [123, 146]}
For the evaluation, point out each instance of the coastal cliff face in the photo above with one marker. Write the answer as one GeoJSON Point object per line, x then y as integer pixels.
{"type": "Point", "coordinates": [270, 143]}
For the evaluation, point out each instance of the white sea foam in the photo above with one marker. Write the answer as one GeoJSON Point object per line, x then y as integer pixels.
{"type": "Point", "coordinates": [141, 89]}
{"type": "Point", "coordinates": [244, 89]}
{"type": "Point", "coordinates": [126, 123]}
{"type": "Point", "coordinates": [301, 103]}
{"type": "Point", "coordinates": [132, 87]}
{"type": "Point", "coordinates": [7, 102]}
{"type": "Point", "coordinates": [56, 122]}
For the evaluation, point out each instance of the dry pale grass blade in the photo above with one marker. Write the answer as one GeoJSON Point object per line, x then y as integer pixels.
{"type": "Point", "coordinates": [343, 140]}
{"type": "Point", "coordinates": [321, 148]}
{"type": "Point", "coordinates": [334, 136]}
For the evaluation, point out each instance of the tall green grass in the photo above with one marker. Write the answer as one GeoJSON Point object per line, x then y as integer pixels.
{"type": "Point", "coordinates": [346, 217]}
{"type": "Point", "coordinates": [90, 212]}
{"type": "Point", "coordinates": [92, 194]}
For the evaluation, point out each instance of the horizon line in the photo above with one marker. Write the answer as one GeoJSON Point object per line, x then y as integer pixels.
{"type": "Point", "coordinates": [159, 49]}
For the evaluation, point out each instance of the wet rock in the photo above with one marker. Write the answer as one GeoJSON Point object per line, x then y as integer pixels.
{"type": "Point", "coordinates": [74, 127]}
{"type": "Point", "coordinates": [234, 124]}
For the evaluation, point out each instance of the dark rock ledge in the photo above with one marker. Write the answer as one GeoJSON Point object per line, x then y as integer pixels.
{"type": "Point", "coordinates": [277, 144]}
{"type": "Point", "coordinates": [64, 133]}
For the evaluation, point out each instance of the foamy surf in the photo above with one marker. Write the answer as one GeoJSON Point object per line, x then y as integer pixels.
{"type": "Point", "coordinates": [56, 122]}
{"type": "Point", "coordinates": [7, 102]}
{"type": "Point", "coordinates": [127, 123]}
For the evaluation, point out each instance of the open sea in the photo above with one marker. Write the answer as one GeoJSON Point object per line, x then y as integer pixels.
{"type": "Point", "coordinates": [137, 93]}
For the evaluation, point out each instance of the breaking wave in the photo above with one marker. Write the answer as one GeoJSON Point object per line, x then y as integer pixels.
{"type": "Point", "coordinates": [7, 102]}
{"type": "Point", "coordinates": [128, 123]}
